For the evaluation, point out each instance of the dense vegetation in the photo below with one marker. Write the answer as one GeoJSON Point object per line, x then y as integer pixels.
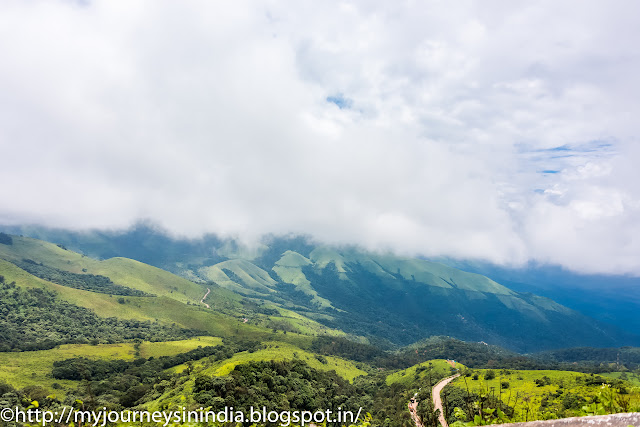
{"type": "Point", "coordinates": [277, 385]}
{"type": "Point", "coordinates": [627, 356]}
{"type": "Point", "coordinates": [5, 239]}
{"type": "Point", "coordinates": [87, 282]}
{"type": "Point", "coordinates": [338, 346]}
{"type": "Point", "coordinates": [532, 395]}
{"type": "Point", "coordinates": [474, 355]}
{"type": "Point", "coordinates": [401, 311]}
{"type": "Point", "coordinates": [122, 384]}
{"type": "Point", "coordinates": [295, 385]}
{"type": "Point", "coordinates": [81, 368]}
{"type": "Point", "coordinates": [35, 319]}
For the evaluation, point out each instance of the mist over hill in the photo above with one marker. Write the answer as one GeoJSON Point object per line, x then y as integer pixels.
{"type": "Point", "coordinates": [391, 300]}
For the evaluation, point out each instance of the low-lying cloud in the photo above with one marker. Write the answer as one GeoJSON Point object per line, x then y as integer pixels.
{"type": "Point", "coordinates": [493, 131]}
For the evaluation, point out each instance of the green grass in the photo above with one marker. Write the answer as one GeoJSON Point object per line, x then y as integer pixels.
{"type": "Point", "coordinates": [437, 368]}
{"type": "Point", "coordinates": [275, 350]}
{"type": "Point", "coordinates": [283, 351]}
{"type": "Point", "coordinates": [522, 385]}
{"type": "Point", "coordinates": [254, 280]}
{"type": "Point", "coordinates": [171, 348]}
{"type": "Point", "coordinates": [149, 279]}
{"type": "Point", "coordinates": [289, 269]}
{"type": "Point", "coordinates": [388, 266]}
{"type": "Point", "coordinates": [28, 368]}
{"type": "Point", "coordinates": [167, 309]}
{"type": "Point", "coordinates": [163, 309]}
{"type": "Point", "coordinates": [630, 377]}
{"type": "Point", "coordinates": [305, 325]}
{"type": "Point", "coordinates": [121, 271]}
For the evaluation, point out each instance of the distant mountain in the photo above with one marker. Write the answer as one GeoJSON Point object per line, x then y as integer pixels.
{"type": "Point", "coordinates": [612, 299]}
{"type": "Point", "coordinates": [623, 356]}
{"type": "Point", "coordinates": [390, 300]}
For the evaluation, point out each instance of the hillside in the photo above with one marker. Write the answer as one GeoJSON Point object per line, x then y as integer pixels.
{"type": "Point", "coordinates": [391, 300]}
{"type": "Point", "coordinates": [287, 324]}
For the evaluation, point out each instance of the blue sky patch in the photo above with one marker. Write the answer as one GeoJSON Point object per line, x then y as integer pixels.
{"type": "Point", "coordinates": [340, 101]}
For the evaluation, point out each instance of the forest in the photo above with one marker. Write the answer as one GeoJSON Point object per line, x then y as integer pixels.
{"type": "Point", "coordinates": [87, 282]}
{"type": "Point", "coordinates": [36, 319]}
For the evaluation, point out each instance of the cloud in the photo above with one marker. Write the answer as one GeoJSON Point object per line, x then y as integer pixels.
{"type": "Point", "coordinates": [497, 131]}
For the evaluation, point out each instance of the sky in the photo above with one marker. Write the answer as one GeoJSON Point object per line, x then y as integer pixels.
{"type": "Point", "coordinates": [497, 130]}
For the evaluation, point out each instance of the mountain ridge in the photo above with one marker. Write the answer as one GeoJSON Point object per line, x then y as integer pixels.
{"type": "Point", "coordinates": [398, 300]}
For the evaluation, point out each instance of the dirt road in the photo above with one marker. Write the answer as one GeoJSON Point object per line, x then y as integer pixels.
{"type": "Point", "coordinates": [437, 400]}
{"type": "Point", "coordinates": [205, 296]}
{"type": "Point", "coordinates": [413, 407]}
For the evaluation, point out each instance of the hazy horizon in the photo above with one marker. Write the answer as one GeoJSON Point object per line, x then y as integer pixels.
{"type": "Point", "coordinates": [497, 132]}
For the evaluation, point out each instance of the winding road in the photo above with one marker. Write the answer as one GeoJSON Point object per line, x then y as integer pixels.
{"type": "Point", "coordinates": [437, 400]}
{"type": "Point", "coordinates": [203, 298]}
{"type": "Point", "coordinates": [413, 410]}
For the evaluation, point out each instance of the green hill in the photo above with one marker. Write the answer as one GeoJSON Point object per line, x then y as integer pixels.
{"type": "Point", "coordinates": [389, 299]}
{"type": "Point", "coordinates": [287, 324]}
{"type": "Point", "coordinates": [169, 300]}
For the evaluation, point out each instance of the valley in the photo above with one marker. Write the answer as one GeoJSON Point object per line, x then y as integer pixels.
{"type": "Point", "coordinates": [371, 330]}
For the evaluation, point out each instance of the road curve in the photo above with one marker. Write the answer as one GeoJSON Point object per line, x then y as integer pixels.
{"type": "Point", "coordinates": [205, 295]}
{"type": "Point", "coordinates": [437, 400]}
{"type": "Point", "coordinates": [413, 410]}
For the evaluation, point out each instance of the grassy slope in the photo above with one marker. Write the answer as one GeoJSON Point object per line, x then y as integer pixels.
{"type": "Point", "coordinates": [521, 382]}
{"type": "Point", "coordinates": [254, 280]}
{"type": "Point", "coordinates": [289, 269]}
{"type": "Point", "coordinates": [630, 377]}
{"type": "Point", "coordinates": [283, 351]}
{"type": "Point", "coordinates": [275, 350]}
{"type": "Point", "coordinates": [387, 266]}
{"type": "Point", "coordinates": [432, 274]}
{"type": "Point", "coordinates": [21, 369]}
{"type": "Point", "coordinates": [438, 367]}
{"type": "Point", "coordinates": [164, 309]}
{"type": "Point", "coordinates": [171, 348]}
{"type": "Point", "coordinates": [304, 324]}
{"type": "Point", "coordinates": [168, 308]}
{"type": "Point", "coordinates": [121, 271]}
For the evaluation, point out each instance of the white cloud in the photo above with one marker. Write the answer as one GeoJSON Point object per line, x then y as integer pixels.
{"type": "Point", "coordinates": [214, 117]}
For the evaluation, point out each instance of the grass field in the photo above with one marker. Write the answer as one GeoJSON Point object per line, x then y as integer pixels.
{"type": "Point", "coordinates": [630, 377]}
{"type": "Point", "coordinates": [304, 324]}
{"type": "Point", "coordinates": [28, 368]}
{"type": "Point", "coordinates": [122, 271]}
{"type": "Point", "coordinates": [21, 369]}
{"type": "Point", "coordinates": [275, 350]}
{"type": "Point", "coordinates": [177, 300]}
{"type": "Point", "coordinates": [528, 397]}
{"type": "Point", "coordinates": [420, 373]}
{"type": "Point", "coordinates": [252, 280]}
{"type": "Point", "coordinates": [171, 348]}
{"type": "Point", "coordinates": [289, 269]}
{"type": "Point", "coordinates": [164, 309]}
{"type": "Point", "coordinates": [283, 351]}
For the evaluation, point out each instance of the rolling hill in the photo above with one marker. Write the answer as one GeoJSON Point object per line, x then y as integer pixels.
{"type": "Point", "coordinates": [389, 299]}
